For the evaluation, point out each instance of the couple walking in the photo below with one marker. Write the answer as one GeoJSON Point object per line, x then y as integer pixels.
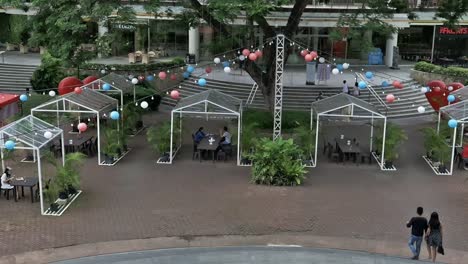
{"type": "Point", "coordinates": [432, 231]}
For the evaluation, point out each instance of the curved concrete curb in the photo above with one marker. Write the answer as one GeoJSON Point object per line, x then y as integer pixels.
{"type": "Point", "coordinates": [101, 248]}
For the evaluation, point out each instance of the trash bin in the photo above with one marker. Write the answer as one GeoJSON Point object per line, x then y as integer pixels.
{"type": "Point", "coordinates": [191, 59]}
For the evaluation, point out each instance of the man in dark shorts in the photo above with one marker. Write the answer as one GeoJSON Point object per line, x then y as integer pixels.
{"type": "Point", "coordinates": [418, 226]}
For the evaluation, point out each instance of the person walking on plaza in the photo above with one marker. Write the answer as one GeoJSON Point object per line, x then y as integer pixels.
{"type": "Point", "coordinates": [345, 87]}
{"type": "Point", "coordinates": [434, 237]}
{"type": "Point", "coordinates": [418, 226]}
{"type": "Point", "coordinates": [356, 91]}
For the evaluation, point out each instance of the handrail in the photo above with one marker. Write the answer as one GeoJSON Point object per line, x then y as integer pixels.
{"type": "Point", "coordinates": [3, 55]}
{"type": "Point", "coordinates": [252, 94]}
{"type": "Point", "coordinates": [374, 93]}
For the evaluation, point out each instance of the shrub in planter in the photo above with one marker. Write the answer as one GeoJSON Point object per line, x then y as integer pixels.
{"type": "Point", "coordinates": [68, 175]}
{"type": "Point", "coordinates": [436, 146]}
{"type": "Point", "coordinates": [395, 135]}
{"type": "Point", "coordinates": [248, 139]}
{"type": "Point", "coordinates": [159, 137]}
{"type": "Point", "coordinates": [306, 140]}
{"type": "Point", "coordinates": [51, 195]}
{"type": "Point", "coordinates": [276, 163]}
{"type": "Point", "coordinates": [449, 71]}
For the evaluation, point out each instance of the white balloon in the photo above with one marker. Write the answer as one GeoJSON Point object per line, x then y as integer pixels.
{"type": "Point", "coordinates": [450, 88]}
{"type": "Point", "coordinates": [321, 59]}
{"type": "Point", "coordinates": [227, 69]}
{"type": "Point", "coordinates": [134, 80]}
{"type": "Point", "coordinates": [421, 109]}
{"type": "Point", "coordinates": [52, 93]}
{"type": "Point", "coordinates": [335, 71]}
{"type": "Point", "coordinates": [217, 60]}
{"type": "Point", "coordinates": [144, 104]}
{"type": "Point", "coordinates": [345, 66]}
{"type": "Point", "coordinates": [103, 71]}
{"type": "Point", "coordinates": [48, 134]}
{"type": "Point", "coordinates": [241, 57]}
{"type": "Point", "coordinates": [423, 90]}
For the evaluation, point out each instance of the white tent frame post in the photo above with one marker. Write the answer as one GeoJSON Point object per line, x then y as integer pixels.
{"type": "Point", "coordinates": [351, 115]}
{"type": "Point", "coordinates": [88, 111]}
{"type": "Point", "coordinates": [36, 151]}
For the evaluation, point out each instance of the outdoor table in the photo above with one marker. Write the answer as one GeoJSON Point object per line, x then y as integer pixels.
{"type": "Point", "coordinates": [26, 182]}
{"type": "Point", "coordinates": [205, 145]}
{"type": "Point", "coordinates": [350, 149]}
{"type": "Point", "coordinates": [77, 140]}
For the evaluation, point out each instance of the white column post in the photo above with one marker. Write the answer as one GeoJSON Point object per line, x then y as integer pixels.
{"type": "Point", "coordinates": [433, 43]}
{"type": "Point", "coordinates": [311, 117]}
{"type": "Point", "coordinates": [372, 133]}
{"type": "Point", "coordinates": [102, 30]}
{"type": "Point", "coordinates": [391, 42]}
{"type": "Point", "coordinates": [453, 149]}
{"type": "Point", "coordinates": [58, 114]}
{"type": "Point", "coordinates": [1, 155]}
{"type": "Point", "coordinates": [99, 138]}
{"type": "Point", "coordinates": [172, 131]}
{"type": "Point", "coordinates": [438, 123]}
{"type": "Point", "coordinates": [461, 134]}
{"type": "Point", "coordinates": [238, 137]}
{"type": "Point", "coordinates": [62, 146]}
{"type": "Point", "coordinates": [316, 140]}
{"type": "Point", "coordinates": [383, 144]}
{"type": "Point", "coordinates": [39, 171]}
{"type": "Point", "coordinates": [194, 42]}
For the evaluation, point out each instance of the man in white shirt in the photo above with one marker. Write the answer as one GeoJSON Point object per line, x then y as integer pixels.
{"type": "Point", "coordinates": [345, 87]}
{"type": "Point", "coordinates": [225, 140]}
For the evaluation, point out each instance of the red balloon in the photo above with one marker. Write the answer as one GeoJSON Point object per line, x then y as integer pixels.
{"type": "Point", "coordinates": [304, 52]}
{"type": "Point", "coordinates": [397, 84]}
{"type": "Point", "coordinates": [82, 127]}
{"type": "Point", "coordinates": [436, 89]}
{"type": "Point", "coordinates": [175, 94]}
{"type": "Point", "coordinates": [141, 77]}
{"type": "Point", "coordinates": [308, 57]}
{"type": "Point", "coordinates": [78, 90]}
{"type": "Point", "coordinates": [173, 77]}
{"type": "Point", "coordinates": [90, 79]}
{"type": "Point", "coordinates": [252, 56]}
{"type": "Point", "coordinates": [259, 54]}
{"type": "Point", "coordinates": [246, 52]}
{"type": "Point", "coordinates": [390, 98]}
{"type": "Point", "coordinates": [68, 85]}
{"type": "Point", "coordinates": [314, 54]}
{"type": "Point", "coordinates": [162, 75]}
{"type": "Point", "coordinates": [208, 69]}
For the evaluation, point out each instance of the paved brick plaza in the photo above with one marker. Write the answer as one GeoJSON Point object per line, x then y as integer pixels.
{"type": "Point", "coordinates": [139, 199]}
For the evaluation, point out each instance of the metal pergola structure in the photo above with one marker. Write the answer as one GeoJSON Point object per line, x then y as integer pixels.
{"type": "Point", "coordinates": [87, 102]}
{"type": "Point", "coordinates": [346, 106]}
{"type": "Point", "coordinates": [459, 112]}
{"type": "Point", "coordinates": [29, 133]}
{"type": "Point", "coordinates": [118, 84]}
{"type": "Point", "coordinates": [204, 104]}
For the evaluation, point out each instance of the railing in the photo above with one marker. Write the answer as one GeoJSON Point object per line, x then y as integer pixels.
{"type": "Point", "coordinates": [373, 93]}
{"type": "Point", "coordinates": [252, 94]}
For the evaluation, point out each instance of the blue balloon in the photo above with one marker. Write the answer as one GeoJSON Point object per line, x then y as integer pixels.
{"type": "Point", "coordinates": [362, 85]}
{"type": "Point", "coordinates": [452, 123]}
{"type": "Point", "coordinates": [186, 75]}
{"type": "Point", "coordinates": [225, 64]}
{"type": "Point", "coordinates": [369, 75]}
{"type": "Point", "coordinates": [106, 87]}
{"type": "Point", "coordinates": [150, 78]}
{"type": "Point", "coordinates": [451, 98]}
{"type": "Point", "coordinates": [114, 115]}
{"type": "Point", "coordinates": [23, 98]}
{"type": "Point", "coordinates": [190, 69]}
{"type": "Point", "coordinates": [340, 67]}
{"type": "Point", "coordinates": [10, 145]}
{"type": "Point", "coordinates": [385, 84]}
{"type": "Point", "coordinates": [202, 82]}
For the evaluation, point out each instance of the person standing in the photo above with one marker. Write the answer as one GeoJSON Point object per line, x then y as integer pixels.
{"type": "Point", "coordinates": [345, 87]}
{"type": "Point", "coordinates": [434, 236]}
{"type": "Point", "coordinates": [356, 91]}
{"type": "Point", "coordinates": [418, 226]}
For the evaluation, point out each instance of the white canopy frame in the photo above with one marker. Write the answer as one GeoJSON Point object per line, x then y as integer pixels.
{"type": "Point", "coordinates": [65, 103]}
{"type": "Point", "coordinates": [342, 102]}
{"type": "Point", "coordinates": [459, 112]}
{"type": "Point", "coordinates": [205, 100]}
{"type": "Point", "coordinates": [29, 131]}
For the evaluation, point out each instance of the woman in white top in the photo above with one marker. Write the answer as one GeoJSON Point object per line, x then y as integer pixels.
{"type": "Point", "coordinates": [6, 179]}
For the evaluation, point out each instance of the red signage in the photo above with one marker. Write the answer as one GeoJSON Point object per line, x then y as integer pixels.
{"type": "Point", "coordinates": [448, 31]}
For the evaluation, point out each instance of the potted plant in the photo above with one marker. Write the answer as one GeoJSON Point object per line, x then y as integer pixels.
{"type": "Point", "coordinates": [443, 153]}
{"type": "Point", "coordinates": [395, 135]}
{"type": "Point", "coordinates": [248, 140]}
{"type": "Point", "coordinates": [306, 141]}
{"type": "Point", "coordinates": [51, 195]}
{"type": "Point", "coordinates": [159, 138]}
{"type": "Point", "coordinates": [24, 37]}
{"type": "Point", "coordinates": [430, 139]}
{"type": "Point", "coordinates": [111, 145]}
{"type": "Point", "coordinates": [132, 119]}
{"type": "Point", "coordinates": [276, 163]}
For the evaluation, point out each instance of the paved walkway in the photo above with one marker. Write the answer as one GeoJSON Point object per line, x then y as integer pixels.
{"type": "Point", "coordinates": [244, 255]}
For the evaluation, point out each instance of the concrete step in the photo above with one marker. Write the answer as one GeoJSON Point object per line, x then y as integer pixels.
{"type": "Point", "coordinates": [15, 78]}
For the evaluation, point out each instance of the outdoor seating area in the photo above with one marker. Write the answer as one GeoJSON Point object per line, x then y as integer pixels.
{"type": "Point", "coordinates": [145, 58]}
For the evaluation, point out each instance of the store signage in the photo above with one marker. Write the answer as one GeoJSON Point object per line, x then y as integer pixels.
{"type": "Point", "coordinates": [124, 26]}
{"type": "Point", "coordinates": [458, 31]}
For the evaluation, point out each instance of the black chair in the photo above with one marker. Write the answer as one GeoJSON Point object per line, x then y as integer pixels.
{"type": "Point", "coordinates": [334, 155]}
{"type": "Point", "coordinates": [226, 150]}
{"type": "Point", "coordinates": [366, 156]}
{"type": "Point", "coordinates": [195, 153]}
{"type": "Point", "coordinates": [95, 145]}
{"type": "Point", "coordinates": [6, 192]}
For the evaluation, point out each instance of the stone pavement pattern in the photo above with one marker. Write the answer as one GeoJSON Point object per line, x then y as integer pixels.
{"type": "Point", "coordinates": [139, 199]}
{"type": "Point", "coordinates": [240, 255]}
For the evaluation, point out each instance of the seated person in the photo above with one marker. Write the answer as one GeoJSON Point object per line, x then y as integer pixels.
{"type": "Point", "coordinates": [5, 179]}
{"type": "Point", "coordinates": [199, 135]}
{"type": "Point", "coordinates": [225, 139]}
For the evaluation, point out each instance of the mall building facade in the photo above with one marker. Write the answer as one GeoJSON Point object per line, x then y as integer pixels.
{"type": "Point", "coordinates": [423, 38]}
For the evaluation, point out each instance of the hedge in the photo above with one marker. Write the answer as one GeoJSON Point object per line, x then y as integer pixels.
{"type": "Point", "coordinates": [449, 71]}
{"type": "Point", "coordinates": [176, 62]}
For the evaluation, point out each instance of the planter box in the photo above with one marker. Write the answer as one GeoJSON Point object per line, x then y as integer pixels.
{"type": "Point", "coordinates": [310, 163]}
{"type": "Point", "coordinates": [106, 163]}
{"type": "Point", "coordinates": [64, 206]}
{"type": "Point", "coordinates": [42, 50]}
{"type": "Point", "coordinates": [435, 166]}
{"type": "Point", "coordinates": [10, 46]}
{"type": "Point", "coordinates": [424, 77]}
{"type": "Point", "coordinates": [377, 158]}
{"type": "Point", "coordinates": [24, 49]}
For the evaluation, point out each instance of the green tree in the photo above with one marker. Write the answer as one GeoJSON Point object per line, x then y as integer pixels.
{"type": "Point", "coordinates": [218, 14]}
